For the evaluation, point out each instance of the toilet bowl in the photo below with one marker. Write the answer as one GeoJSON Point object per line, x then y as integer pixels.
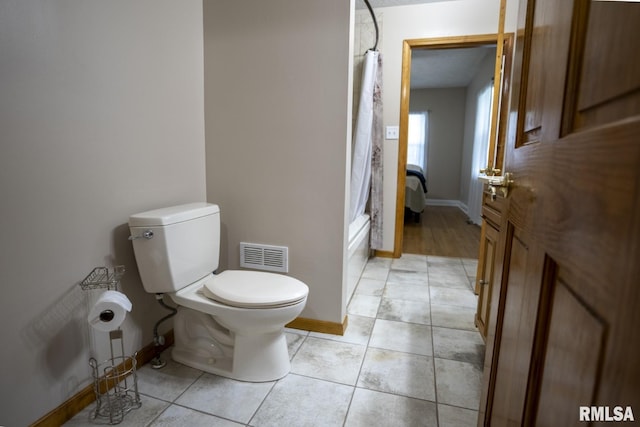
{"type": "Point", "coordinates": [230, 324]}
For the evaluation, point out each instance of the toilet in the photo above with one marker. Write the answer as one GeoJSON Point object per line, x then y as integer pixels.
{"type": "Point", "coordinates": [229, 324]}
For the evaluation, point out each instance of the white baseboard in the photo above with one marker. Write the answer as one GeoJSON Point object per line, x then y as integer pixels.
{"type": "Point", "coordinates": [464, 208]}
{"type": "Point", "coordinates": [443, 202]}
{"type": "Point", "coordinates": [452, 203]}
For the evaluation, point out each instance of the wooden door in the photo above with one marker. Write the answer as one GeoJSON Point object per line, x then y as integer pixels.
{"type": "Point", "coordinates": [566, 332]}
{"type": "Point", "coordinates": [488, 244]}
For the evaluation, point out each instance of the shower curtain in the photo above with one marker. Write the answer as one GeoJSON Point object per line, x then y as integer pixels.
{"type": "Point", "coordinates": [366, 166]}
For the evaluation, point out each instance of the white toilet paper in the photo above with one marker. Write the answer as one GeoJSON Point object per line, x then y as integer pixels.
{"type": "Point", "coordinates": [109, 311]}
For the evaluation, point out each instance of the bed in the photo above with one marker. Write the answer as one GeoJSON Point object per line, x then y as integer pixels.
{"type": "Point", "coordinates": [415, 191]}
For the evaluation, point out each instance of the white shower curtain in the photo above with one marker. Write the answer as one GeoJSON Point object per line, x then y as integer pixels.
{"type": "Point", "coordinates": [366, 166]}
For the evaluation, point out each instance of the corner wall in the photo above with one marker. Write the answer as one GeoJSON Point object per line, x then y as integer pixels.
{"type": "Point", "coordinates": [101, 116]}
{"type": "Point", "coordinates": [446, 108]}
{"type": "Point", "coordinates": [278, 123]}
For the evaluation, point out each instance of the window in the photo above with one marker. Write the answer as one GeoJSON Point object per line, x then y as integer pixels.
{"type": "Point", "coordinates": [417, 139]}
{"type": "Point", "coordinates": [483, 126]}
{"type": "Point", "coordinates": [480, 151]}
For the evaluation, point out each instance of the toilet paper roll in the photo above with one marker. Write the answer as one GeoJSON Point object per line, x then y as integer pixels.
{"type": "Point", "coordinates": [109, 311]}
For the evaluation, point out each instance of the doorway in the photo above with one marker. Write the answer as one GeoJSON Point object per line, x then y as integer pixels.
{"type": "Point", "coordinates": [443, 224]}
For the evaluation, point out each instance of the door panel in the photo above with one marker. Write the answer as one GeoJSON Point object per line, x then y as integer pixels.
{"type": "Point", "coordinates": [520, 292]}
{"type": "Point", "coordinates": [548, 47]}
{"type": "Point", "coordinates": [573, 360]}
{"type": "Point", "coordinates": [567, 332]}
{"type": "Point", "coordinates": [488, 241]}
{"type": "Point", "coordinates": [620, 97]}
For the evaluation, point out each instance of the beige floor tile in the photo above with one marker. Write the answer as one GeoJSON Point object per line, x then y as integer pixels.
{"type": "Point", "coordinates": [399, 373]}
{"type": "Point", "coordinates": [408, 277]}
{"type": "Point", "coordinates": [373, 287]}
{"type": "Point", "coordinates": [448, 277]}
{"type": "Point", "coordinates": [458, 383]}
{"type": "Point", "coordinates": [371, 408]}
{"type": "Point", "coordinates": [405, 311]}
{"type": "Point", "coordinates": [451, 416]}
{"type": "Point", "coordinates": [329, 360]}
{"type": "Point", "coordinates": [364, 305]}
{"type": "Point", "coordinates": [410, 262]}
{"type": "Point", "coordinates": [407, 292]}
{"type": "Point", "coordinates": [179, 416]}
{"type": "Point", "coordinates": [167, 383]}
{"type": "Point", "coordinates": [457, 344]}
{"type": "Point", "coordinates": [224, 397]}
{"type": "Point", "coordinates": [301, 401]}
{"type": "Point", "coordinates": [358, 331]}
{"type": "Point", "coordinates": [294, 341]}
{"type": "Point", "coordinates": [450, 316]}
{"type": "Point", "coordinates": [456, 297]}
{"type": "Point", "coordinates": [377, 268]}
{"type": "Point", "coordinates": [402, 336]}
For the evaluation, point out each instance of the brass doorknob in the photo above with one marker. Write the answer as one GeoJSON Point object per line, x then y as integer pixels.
{"type": "Point", "coordinates": [499, 185]}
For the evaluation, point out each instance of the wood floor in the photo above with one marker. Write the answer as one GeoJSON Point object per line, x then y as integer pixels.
{"type": "Point", "coordinates": [442, 231]}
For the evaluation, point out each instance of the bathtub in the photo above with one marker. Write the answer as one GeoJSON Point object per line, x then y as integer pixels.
{"type": "Point", "coordinates": [358, 251]}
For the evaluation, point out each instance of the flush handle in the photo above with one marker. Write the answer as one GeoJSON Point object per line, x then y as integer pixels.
{"type": "Point", "coordinates": [146, 234]}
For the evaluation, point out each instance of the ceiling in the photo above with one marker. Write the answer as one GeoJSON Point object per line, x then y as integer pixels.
{"type": "Point", "coordinates": [438, 68]}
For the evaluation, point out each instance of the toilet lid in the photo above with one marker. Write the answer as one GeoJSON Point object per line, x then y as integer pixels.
{"type": "Point", "coordinates": [253, 289]}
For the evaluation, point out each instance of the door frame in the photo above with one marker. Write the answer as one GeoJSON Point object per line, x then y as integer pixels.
{"type": "Point", "coordinates": [496, 146]}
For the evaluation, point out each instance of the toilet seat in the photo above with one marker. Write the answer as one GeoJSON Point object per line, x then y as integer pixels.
{"type": "Point", "coordinates": [254, 289]}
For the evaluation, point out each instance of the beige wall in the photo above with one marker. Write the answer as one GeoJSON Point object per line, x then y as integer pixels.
{"type": "Point", "coordinates": [101, 116]}
{"type": "Point", "coordinates": [437, 19]}
{"type": "Point", "coordinates": [446, 135]}
{"type": "Point", "coordinates": [277, 119]}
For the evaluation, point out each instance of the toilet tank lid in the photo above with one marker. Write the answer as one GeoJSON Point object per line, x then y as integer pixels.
{"type": "Point", "coordinates": [172, 214]}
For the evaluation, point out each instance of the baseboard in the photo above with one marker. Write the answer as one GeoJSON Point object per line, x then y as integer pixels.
{"type": "Point", "coordinates": [321, 326]}
{"type": "Point", "coordinates": [443, 202]}
{"type": "Point", "coordinates": [86, 396]}
{"type": "Point", "coordinates": [383, 254]}
{"type": "Point", "coordinates": [464, 208]}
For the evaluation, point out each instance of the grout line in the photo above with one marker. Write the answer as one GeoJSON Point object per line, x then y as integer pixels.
{"type": "Point", "coordinates": [433, 348]}
{"type": "Point", "coordinates": [368, 341]}
{"type": "Point", "coordinates": [266, 396]}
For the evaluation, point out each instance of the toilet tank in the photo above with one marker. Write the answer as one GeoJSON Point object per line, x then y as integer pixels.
{"type": "Point", "coordinates": [176, 246]}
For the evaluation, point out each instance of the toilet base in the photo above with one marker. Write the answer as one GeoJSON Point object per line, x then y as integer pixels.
{"type": "Point", "coordinates": [202, 343]}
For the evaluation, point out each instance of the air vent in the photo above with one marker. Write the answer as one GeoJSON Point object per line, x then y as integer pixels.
{"type": "Point", "coordinates": [264, 257]}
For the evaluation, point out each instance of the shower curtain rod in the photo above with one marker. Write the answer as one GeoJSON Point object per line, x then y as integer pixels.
{"type": "Point", "coordinates": [375, 23]}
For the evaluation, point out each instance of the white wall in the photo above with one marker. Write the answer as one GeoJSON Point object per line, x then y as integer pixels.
{"type": "Point", "coordinates": [278, 118]}
{"type": "Point", "coordinates": [101, 116]}
{"type": "Point", "coordinates": [439, 19]}
{"type": "Point", "coordinates": [446, 108]}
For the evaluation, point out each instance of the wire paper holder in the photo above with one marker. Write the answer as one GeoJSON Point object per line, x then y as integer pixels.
{"type": "Point", "coordinates": [115, 381]}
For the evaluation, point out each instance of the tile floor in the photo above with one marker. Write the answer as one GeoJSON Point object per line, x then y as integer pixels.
{"type": "Point", "coordinates": [411, 356]}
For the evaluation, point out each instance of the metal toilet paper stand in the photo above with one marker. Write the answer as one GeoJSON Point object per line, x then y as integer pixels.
{"type": "Point", "coordinates": [115, 381]}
